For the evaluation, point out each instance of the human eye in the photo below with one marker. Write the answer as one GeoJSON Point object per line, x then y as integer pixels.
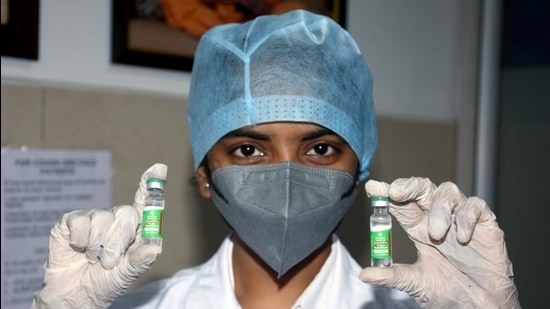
{"type": "Point", "coordinates": [322, 149]}
{"type": "Point", "coordinates": [247, 150]}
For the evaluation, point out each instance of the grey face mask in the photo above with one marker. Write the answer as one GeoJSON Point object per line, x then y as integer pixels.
{"type": "Point", "coordinates": [282, 211]}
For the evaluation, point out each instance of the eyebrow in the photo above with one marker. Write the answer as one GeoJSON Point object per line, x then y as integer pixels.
{"type": "Point", "coordinates": [318, 133]}
{"type": "Point", "coordinates": [245, 132]}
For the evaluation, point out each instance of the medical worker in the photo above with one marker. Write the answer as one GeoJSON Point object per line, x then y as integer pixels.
{"type": "Point", "coordinates": [283, 132]}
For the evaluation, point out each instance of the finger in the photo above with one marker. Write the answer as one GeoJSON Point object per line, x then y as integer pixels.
{"type": "Point", "coordinates": [467, 217]}
{"type": "Point", "coordinates": [414, 189]}
{"type": "Point", "coordinates": [403, 277]}
{"type": "Point", "coordinates": [138, 261]}
{"type": "Point", "coordinates": [446, 198]}
{"type": "Point", "coordinates": [408, 216]}
{"type": "Point", "coordinates": [376, 188]}
{"type": "Point", "coordinates": [78, 233]}
{"type": "Point", "coordinates": [158, 170]}
{"type": "Point", "coordinates": [120, 235]}
{"type": "Point", "coordinates": [101, 222]}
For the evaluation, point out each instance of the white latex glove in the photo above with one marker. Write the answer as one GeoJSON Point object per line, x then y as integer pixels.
{"type": "Point", "coordinates": [462, 258]}
{"type": "Point", "coordinates": [95, 255]}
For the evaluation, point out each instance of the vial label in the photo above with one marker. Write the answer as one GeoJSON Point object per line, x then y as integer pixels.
{"type": "Point", "coordinates": [381, 244]}
{"type": "Point", "coordinates": [152, 223]}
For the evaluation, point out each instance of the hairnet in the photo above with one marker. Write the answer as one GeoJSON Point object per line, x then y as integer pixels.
{"type": "Point", "coordinates": [298, 66]}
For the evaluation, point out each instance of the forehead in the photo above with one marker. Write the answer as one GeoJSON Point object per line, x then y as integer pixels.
{"type": "Point", "coordinates": [282, 128]}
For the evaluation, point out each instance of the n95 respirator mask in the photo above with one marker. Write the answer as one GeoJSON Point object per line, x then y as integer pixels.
{"type": "Point", "coordinates": [282, 211]}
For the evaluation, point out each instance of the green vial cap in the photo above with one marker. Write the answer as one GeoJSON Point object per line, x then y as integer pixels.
{"type": "Point", "coordinates": [155, 183]}
{"type": "Point", "coordinates": [380, 198]}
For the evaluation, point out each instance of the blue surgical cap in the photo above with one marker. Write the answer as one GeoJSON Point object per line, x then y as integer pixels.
{"type": "Point", "coordinates": [298, 66]}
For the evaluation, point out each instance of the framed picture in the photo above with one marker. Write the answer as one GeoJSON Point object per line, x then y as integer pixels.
{"type": "Point", "coordinates": [20, 28]}
{"type": "Point", "coordinates": [146, 34]}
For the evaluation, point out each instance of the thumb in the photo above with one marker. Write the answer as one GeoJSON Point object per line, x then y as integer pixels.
{"type": "Point", "coordinates": [399, 276]}
{"type": "Point", "coordinates": [158, 170]}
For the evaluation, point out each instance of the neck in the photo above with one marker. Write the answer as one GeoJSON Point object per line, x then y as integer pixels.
{"type": "Point", "coordinates": [257, 285]}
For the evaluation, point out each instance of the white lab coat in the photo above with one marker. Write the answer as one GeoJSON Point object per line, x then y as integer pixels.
{"type": "Point", "coordinates": [210, 285]}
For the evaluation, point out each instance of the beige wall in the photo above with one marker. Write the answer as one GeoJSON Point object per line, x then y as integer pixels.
{"type": "Point", "coordinates": [141, 129]}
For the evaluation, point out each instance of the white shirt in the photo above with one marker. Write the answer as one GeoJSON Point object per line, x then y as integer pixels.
{"type": "Point", "coordinates": [210, 285]}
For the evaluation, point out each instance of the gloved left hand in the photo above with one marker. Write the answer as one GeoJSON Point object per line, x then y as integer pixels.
{"type": "Point", "coordinates": [96, 254]}
{"type": "Point", "coordinates": [462, 258]}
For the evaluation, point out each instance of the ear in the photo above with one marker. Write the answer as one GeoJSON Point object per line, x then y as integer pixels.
{"type": "Point", "coordinates": [203, 180]}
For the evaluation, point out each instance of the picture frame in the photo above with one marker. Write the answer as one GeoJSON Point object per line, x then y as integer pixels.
{"type": "Point", "coordinates": [20, 22]}
{"type": "Point", "coordinates": [147, 40]}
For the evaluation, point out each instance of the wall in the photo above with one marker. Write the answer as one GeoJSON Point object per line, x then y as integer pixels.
{"type": "Point", "coordinates": [423, 58]}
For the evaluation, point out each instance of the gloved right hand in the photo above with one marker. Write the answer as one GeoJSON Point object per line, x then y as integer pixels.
{"type": "Point", "coordinates": [462, 258]}
{"type": "Point", "coordinates": [95, 255]}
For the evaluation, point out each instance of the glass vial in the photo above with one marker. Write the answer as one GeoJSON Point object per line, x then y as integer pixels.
{"type": "Point", "coordinates": [380, 232]}
{"type": "Point", "coordinates": [153, 212]}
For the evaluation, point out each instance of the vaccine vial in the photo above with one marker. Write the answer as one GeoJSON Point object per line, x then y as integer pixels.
{"type": "Point", "coordinates": [380, 232]}
{"type": "Point", "coordinates": [153, 212]}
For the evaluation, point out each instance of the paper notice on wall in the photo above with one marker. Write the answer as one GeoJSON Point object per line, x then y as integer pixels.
{"type": "Point", "coordinates": [38, 187]}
